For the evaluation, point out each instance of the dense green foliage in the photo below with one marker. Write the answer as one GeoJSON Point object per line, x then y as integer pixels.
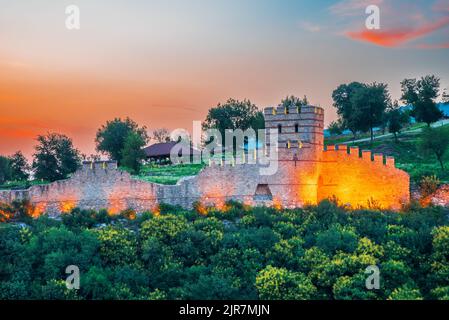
{"type": "Point", "coordinates": [369, 103]}
{"type": "Point", "coordinates": [112, 137]}
{"type": "Point", "coordinates": [346, 110]}
{"type": "Point", "coordinates": [435, 142]}
{"type": "Point", "coordinates": [14, 168]}
{"type": "Point", "coordinates": [5, 169]}
{"type": "Point", "coordinates": [396, 120]}
{"type": "Point", "coordinates": [422, 95]}
{"type": "Point", "coordinates": [55, 157]}
{"type": "Point", "coordinates": [234, 114]}
{"type": "Point", "coordinates": [319, 252]}
{"type": "Point", "coordinates": [132, 153]}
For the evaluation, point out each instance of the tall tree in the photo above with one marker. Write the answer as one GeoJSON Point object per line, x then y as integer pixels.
{"type": "Point", "coordinates": [133, 154]}
{"type": "Point", "coordinates": [370, 103]}
{"type": "Point", "coordinates": [234, 114]}
{"type": "Point", "coordinates": [19, 167]}
{"type": "Point", "coordinates": [5, 169]}
{"type": "Point", "coordinates": [345, 109]}
{"type": "Point", "coordinates": [161, 135]}
{"type": "Point", "coordinates": [336, 127]}
{"type": "Point", "coordinates": [55, 157]}
{"type": "Point", "coordinates": [422, 95]}
{"type": "Point", "coordinates": [111, 137]}
{"type": "Point", "coordinates": [396, 119]}
{"type": "Point", "coordinates": [436, 141]}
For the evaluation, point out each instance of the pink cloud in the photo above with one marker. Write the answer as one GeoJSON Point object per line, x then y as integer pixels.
{"type": "Point", "coordinates": [397, 36]}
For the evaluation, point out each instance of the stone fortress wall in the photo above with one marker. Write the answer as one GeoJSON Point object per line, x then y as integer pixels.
{"type": "Point", "coordinates": [307, 173]}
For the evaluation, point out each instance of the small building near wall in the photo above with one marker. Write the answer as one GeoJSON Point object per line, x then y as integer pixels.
{"type": "Point", "coordinates": [160, 152]}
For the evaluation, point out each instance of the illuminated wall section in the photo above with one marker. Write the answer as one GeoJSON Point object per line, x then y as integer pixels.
{"type": "Point", "coordinates": [362, 181]}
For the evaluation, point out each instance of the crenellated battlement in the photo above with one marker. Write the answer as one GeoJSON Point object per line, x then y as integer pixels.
{"type": "Point", "coordinates": [280, 110]}
{"type": "Point", "coordinates": [365, 155]}
{"type": "Point", "coordinates": [97, 165]}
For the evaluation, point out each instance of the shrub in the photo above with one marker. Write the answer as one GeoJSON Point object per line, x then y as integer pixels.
{"type": "Point", "coordinates": [428, 185]}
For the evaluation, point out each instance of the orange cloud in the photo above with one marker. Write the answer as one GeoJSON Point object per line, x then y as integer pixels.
{"type": "Point", "coordinates": [397, 37]}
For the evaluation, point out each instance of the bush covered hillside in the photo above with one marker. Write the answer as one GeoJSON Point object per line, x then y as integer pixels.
{"type": "Point", "coordinates": [319, 252]}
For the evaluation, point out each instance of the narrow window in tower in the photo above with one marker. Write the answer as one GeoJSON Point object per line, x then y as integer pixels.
{"type": "Point", "coordinates": [279, 128]}
{"type": "Point", "coordinates": [296, 128]}
{"type": "Point", "coordinates": [286, 110]}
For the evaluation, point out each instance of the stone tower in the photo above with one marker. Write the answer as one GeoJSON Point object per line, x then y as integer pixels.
{"type": "Point", "coordinates": [300, 131]}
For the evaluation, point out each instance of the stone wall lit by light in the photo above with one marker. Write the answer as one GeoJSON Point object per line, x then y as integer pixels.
{"type": "Point", "coordinates": [307, 173]}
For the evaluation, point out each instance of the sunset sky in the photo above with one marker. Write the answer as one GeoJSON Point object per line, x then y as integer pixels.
{"type": "Point", "coordinates": [165, 63]}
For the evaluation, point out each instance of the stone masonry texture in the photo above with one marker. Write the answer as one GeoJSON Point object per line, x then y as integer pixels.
{"type": "Point", "coordinates": [307, 173]}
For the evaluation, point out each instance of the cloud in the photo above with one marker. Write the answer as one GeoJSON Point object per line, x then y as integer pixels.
{"type": "Point", "coordinates": [352, 7]}
{"type": "Point", "coordinates": [396, 37]}
{"type": "Point", "coordinates": [311, 27]}
{"type": "Point", "coordinates": [441, 6]}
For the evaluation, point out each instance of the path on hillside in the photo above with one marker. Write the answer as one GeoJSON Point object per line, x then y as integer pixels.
{"type": "Point", "coordinates": [433, 125]}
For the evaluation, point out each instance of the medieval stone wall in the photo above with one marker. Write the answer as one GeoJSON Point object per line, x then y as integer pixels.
{"type": "Point", "coordinates": [305, 175]}
{"type": "Point", "coordinates": [362, 180]}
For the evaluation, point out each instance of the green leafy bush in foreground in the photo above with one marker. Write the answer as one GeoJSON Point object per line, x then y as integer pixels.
{"type": "Point", "coordinates": [319, 252]}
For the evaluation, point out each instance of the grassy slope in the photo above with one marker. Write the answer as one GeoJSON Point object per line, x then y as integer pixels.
{"type": "Point", "coordinates": [168, 174]}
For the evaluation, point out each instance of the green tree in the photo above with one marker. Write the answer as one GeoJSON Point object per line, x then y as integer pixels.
{"type": "Point", "coordinates": [19, 167]}
{"type": "Point", "coordinates": [57, 290]}
{"type": "Point", "coordinates": [406, 292]}
{"type": "Point", "coordinates": [342, 97]}
{"type": "Point", "coordinates": [352, 288]}
{"type": "Point", "coordinates": [164, 228]}
{"type": "Point", "coordinates": [133, 154]}
{"type": "Point", "coordinates": [395, 274]}
{"type": "Point", "coordinates": [118, 246]}
{"type": "Point", "coordinates": [440, 258]}
{"type": "Point", "coordinates": [281, 284]}
{"type": "Point", "coordinates": [55, 157]}
{"type": "Point", "coordinates": [422, 95]}
{"type": "Point", "coordinates": [336, 127]}
{"type": "Point", "coordinates": [370, 103]}
{"type": "Point", "coordinates": [234, 114]}
{"type": "Point", "coordinates": [435, 141]}
{"type": "Point", "coordinates": [5, 169]}
{"type": "Point", "coordinates": [112, 136]}
{"type": "Point", "coordinates": [336, 238]}
{"type": "Point", "coordinates": [397, 119]}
